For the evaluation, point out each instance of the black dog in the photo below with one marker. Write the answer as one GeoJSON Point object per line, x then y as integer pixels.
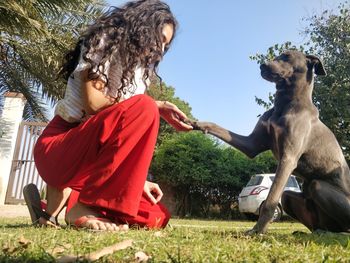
{"type": "Point", "coordinates": [301, 143]}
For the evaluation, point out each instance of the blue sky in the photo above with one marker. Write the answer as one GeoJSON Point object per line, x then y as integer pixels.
{"type": "Point", "coordinates": [208, 63]}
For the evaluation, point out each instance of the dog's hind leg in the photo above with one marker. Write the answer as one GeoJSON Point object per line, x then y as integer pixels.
{"type": "Point", "coordinates": [327, 208]}
{"type": "Point", "coordinates": [334, 204]}
{"type": "Point", "coordinates": [302, 209]}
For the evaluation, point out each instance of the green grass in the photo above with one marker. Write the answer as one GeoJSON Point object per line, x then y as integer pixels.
{"type": "Point", "coordinates": [182, 241]}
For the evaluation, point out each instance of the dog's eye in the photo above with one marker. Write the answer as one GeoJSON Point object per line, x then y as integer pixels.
{"type": "Point", "coordinates": [284, 57]}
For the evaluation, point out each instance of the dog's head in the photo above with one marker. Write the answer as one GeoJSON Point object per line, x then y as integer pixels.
{"type": "Point", "coordinates": [291, 66]}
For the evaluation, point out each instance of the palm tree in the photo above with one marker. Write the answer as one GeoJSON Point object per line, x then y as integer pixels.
{"type": "Point", "coordinates": [34, 36]}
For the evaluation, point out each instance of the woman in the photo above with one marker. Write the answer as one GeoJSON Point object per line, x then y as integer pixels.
{"type": "Point", "coordinates": [95, 153]}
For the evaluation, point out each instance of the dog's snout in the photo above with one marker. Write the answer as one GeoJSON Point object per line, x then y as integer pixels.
{"type": "Point", "coordinates": [266, 71]}
{"type": "Point", "coordinates": [263, 67]}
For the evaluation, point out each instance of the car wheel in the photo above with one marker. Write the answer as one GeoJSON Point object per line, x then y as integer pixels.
{"type": "Point", "coordinates": [277, 215]}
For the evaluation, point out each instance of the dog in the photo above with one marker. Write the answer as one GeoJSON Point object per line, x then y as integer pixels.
{"type": "Point", "coordinates": [302, 145]}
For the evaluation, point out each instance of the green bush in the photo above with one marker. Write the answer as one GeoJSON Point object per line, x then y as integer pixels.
{"type": "Point", "coordinates": [205, 176]}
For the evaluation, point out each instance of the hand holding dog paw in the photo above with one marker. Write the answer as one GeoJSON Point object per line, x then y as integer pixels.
{"type": "Point", "coordinates": [174, 116]}
{"type": "Point", "coordinates": [200, 126]}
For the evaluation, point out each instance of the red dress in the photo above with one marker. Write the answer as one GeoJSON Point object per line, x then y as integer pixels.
{"type": "Point", "coordinates": [105, 160]}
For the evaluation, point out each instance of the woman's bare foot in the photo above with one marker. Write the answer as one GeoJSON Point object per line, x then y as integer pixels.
{"type": "Point", "coordinates": [56, 199]}
{"type": "Point", "coordinates": [82, 216]}
{"type": "Point", "coordinates": [44, 214]}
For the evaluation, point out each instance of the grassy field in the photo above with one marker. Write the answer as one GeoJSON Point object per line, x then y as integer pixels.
{"type": "Point", "coordinates": [182, 241]}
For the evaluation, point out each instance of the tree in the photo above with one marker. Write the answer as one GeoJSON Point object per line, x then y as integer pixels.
{"type": "Point", "coordinates": [329, 39]}
{"type": "Point", "coordinates": [34, 36]}
{"type": "Point", "coordinates": [163, 92]}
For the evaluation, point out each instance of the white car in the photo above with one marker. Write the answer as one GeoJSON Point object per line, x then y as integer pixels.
{"type": "Point", "coordinates": [255, 193]}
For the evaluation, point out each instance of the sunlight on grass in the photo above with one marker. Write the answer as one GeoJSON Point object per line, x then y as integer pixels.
{"type": "Point", "coordinates": [182, 241]}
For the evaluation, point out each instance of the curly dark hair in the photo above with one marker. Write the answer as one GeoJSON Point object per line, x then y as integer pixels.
{"type": "Point", "coordinates": [131, 35]}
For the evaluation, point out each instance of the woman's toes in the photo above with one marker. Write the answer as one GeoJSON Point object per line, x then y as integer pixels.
{"type": "Point", "coordinates": [102, 226]}
{"type": "Point", "coordinates": [114, 227]}
{"type": "Point", "coordinates": [110, 227]}
{"type": "Point", "coordinates": [124, 227]}
{"type": "Point", "coordinates": [94, 226]}
{"type": "Point", "coordinates": [105, 226]}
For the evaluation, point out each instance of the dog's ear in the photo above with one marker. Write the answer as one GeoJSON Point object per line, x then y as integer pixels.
{"type": "Point", "coordinates": [317, 65]}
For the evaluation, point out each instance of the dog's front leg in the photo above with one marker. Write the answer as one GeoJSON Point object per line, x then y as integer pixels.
{"type": "Point", "coordinates": [258, 141]}
{"type": "Point", "coordinates": [243, 143]}
{"type": "Point", "coordinates": [285, 168]}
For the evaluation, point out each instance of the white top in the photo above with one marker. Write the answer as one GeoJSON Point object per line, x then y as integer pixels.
{"type": "Point", "coordinates": [71, 109]}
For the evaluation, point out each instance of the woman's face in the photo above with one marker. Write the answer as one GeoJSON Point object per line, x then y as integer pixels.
{"type": "Point", "coordinates": [167, 35]}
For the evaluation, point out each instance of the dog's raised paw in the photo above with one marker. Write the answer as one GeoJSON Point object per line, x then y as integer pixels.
{"type": "Point", "coordinates": [199, 126]}
{"type": "Point", "coordinates": [194, 124]}
{"type": "Point", "coordinates": [189, 122]}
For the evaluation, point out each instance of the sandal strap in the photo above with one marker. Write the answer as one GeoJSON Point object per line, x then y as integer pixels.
{"type": "Point", "coordinates": [43, 214]}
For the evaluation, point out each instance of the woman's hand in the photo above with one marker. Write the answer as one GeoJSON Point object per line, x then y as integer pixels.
{"type": "Point", "coordinates": [153, 192]}
{"type": "Point", "coordinates": [173, 115]}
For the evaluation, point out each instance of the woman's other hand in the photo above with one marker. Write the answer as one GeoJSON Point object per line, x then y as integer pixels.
{"type": "Point", "coordinates": [173, 115]}
{"type": "Point", "coordinates": [153, 192]}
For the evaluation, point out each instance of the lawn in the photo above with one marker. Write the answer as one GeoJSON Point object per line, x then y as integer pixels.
{"type": "Point", "coordinates": [182, 241]}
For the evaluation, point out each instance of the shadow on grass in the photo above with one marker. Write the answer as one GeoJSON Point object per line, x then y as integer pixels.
{"type": "Point", "coordinates": [321, 238]}
{"type": "Point", "coordinates": [21, 254]}
{"type": "Point", "coordinates": [234, 234]}
{"type": "Point", "coordinates": [17, 259]}
{"type": "Point", "coordinates": [15, 226]}
{"type": "Point", "coordinates": [324, 238]}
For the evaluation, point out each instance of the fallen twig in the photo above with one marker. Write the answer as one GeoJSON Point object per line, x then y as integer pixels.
{"type": "Point", "coordinates": [97, 254]}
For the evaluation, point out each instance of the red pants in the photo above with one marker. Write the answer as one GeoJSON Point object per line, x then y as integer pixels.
{"type": "Point", "coordinates": [105, 160]}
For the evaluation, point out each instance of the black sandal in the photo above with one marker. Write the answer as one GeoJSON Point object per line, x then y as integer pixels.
{"type": "Point", "coordinates": [33, 201]}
